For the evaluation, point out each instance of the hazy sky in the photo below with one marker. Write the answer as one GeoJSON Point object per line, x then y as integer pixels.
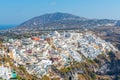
{"type": "Point", "coordinates": [18, 11]}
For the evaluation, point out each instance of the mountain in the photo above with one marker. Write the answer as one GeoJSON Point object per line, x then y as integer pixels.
{"type": "Point", "coordinates": [63, 21]}
{"type": "Point", "coordinates": [45, 19]}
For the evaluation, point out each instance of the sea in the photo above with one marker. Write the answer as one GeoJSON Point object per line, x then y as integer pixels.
{"type": "Point", "coordinates": [5, 27]}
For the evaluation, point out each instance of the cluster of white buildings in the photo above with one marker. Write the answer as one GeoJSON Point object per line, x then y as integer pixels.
{"type": "Point", "coordinates": [39, 53]}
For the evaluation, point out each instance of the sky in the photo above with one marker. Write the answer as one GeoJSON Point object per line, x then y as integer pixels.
{"type": "Point", "coordinates": [18, 11]}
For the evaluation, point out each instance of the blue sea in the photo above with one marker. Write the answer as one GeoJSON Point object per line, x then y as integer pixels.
{"type": "Point", "coordinates": [4, 27]}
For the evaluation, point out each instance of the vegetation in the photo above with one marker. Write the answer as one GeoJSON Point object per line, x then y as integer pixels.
{"type": "Point", "coordinates": [55, 79]}
{"type": "Point", "coordinates": [118, 46]}
{"type": "Point", "coordinates": [65, 69]}
{"type": "Point", "coordinates": [118, 77]}
{"type": "Point", "coordinates": [45, 77]}
{"type": "Point", "coordinates": [111, 54]}
{"type": "Point", "coordinates": [93, 75]}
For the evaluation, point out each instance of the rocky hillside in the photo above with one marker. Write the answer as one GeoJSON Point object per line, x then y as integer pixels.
{"type": "Point", "coordinates": [64, 21]}
{"type": "Point", "coordinates": [39, 21]}
{"type": "Point", "coordinates": [109, 33]}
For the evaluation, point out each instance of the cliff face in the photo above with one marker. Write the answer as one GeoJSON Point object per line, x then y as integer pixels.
{"type": "Point", "coordinates": [101, 68]}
